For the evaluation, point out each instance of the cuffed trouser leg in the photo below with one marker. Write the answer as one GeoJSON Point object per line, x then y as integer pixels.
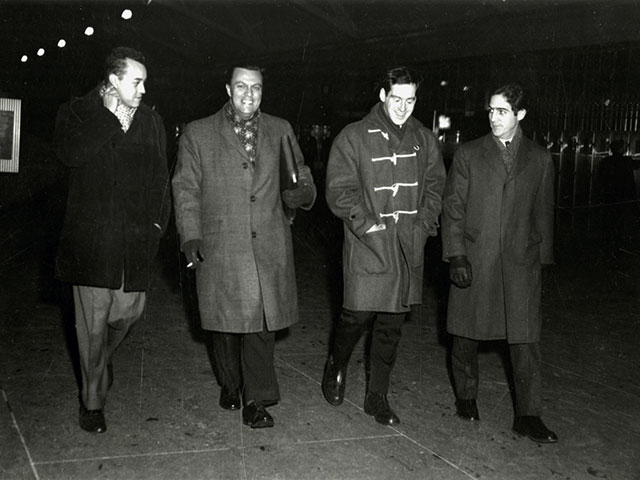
{"type": "Point", "coordinates": [226, 354]}
{"type": "Point", "coordinates": [527, 379]}
{"type": "Point", "coordinates": [103, 319]}
{"type": "Point", "coordinates": [387, 328]}
{"type": "Point", "coordinates": [464, 367]}
{"type": "Point", "coordinates": [258, 371]}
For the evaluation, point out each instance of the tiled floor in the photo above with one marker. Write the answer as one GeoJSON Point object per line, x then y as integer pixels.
{"type": "Point", "coordinates": [164, 421]}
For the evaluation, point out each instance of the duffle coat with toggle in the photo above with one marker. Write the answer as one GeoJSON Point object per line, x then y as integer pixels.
{"type": "Point", "coordinates": [379, 175]}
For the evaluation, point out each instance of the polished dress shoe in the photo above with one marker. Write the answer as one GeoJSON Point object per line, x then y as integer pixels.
{"type": "Point", "coordinates": [256, 416]}
{"type": "Point", "coordinates": [92, 420]}
{"type": "Point", "coordinates": [230, 398]}
{"type": "Point", "coordinates": [532, 427]}
{"type": "Point", "coordinates": [467, 409]}
{"type": "Point", "coordinates": [376, 404]}
{"type": "Point", "coordinates": [334, 381]}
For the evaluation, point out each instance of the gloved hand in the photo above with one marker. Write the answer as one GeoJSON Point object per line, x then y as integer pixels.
{"type": "Point", "coordinates": [298, 196]}
{"type": "Point", "coordinates": [460, 271]}
{"type": "Point", "coordinates": [193, 252]}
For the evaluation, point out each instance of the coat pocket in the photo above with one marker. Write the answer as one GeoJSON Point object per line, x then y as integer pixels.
{"type": "Point", "coordinates": [370, 254]}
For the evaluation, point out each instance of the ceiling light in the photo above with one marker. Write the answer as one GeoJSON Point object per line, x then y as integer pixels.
{"type": "Point", "coordinates": [24, 58]}
{"type": "Point", "coordinates": [40, 52]}
{"type": "Point", "coordinates": [88, 31]}
{"type": "Point", "coordinates": [62, 43]}
{"type": "Point", "coordinates": [126, 14]}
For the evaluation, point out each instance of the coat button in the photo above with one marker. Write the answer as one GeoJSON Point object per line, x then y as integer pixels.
{"type": "Point", "coordinates": [254, 234]}
{"type": "Point", "coordinates": [245, 165]}
{"type": "Point", "coordinates": [253, 198]}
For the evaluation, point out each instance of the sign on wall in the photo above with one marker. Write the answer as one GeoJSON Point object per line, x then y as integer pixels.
{"type": "Point", "coordinates": [9, 134]}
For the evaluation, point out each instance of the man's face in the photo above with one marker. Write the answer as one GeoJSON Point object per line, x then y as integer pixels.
{"type": "Point", "coordinates": [502, 119]}
{"type": "Point", "coordinates": [245, 91]}
{"type": "Point", "coordinates": [399, 102]}
{"type": "Point", "coordinates": [130, 87]}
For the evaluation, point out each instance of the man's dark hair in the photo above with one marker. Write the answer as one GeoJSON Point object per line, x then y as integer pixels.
{"type": "Point", "coordinates": [398, 75]}
{"type": "Point", "coordinates": [230, 70]}
{"type": "Point", "coordinates": [116, 61]}
{"type": "Point", "coordinates": [514, 95]}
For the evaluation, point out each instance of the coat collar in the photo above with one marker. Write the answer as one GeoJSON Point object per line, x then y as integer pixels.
{"type": "Point", "coordinates": [226, 130]}
{"type": "Point", "coordinates": [491, 154]}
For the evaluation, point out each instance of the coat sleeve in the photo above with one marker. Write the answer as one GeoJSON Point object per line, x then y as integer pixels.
{"type": "Point", "coordinates": [344, 190]}
{"type": "Point", "coordinates": [161, 194]}
{"type": "Point", "coordinates": [454, 206]}
{"type": "Point", "coordinates": [433, 185]}
{"type": "Point", "coordinates": [186, 185]}
{"type": "Point", "coordinates": [544, 211]}
{"type": "Point", "coordinates": [78, 140]}
{"type": "Point", "coordinates": [304, 172]}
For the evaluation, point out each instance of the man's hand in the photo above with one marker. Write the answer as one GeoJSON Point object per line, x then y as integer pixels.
{"type": "Point", "coordinates": [298, 196]}
{"type": "Point", "coordinates": [460, 271]}
{"type": "Point", "coordinates": [111, 98]}
{"type": "Point", "coordinates": [193, 252]}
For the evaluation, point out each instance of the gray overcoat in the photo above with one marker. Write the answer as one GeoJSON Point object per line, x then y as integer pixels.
{"type": "Point", "coordinates": [235, 208]}
{"type": "Point", "coordinates": [503, 223]}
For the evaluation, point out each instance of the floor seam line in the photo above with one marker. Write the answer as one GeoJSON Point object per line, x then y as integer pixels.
{"type": "Point", "coordinates": [22, 440]}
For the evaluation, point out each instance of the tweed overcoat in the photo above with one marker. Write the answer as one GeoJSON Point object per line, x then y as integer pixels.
{"type": "Point", "coordinates": [235, 208]}
{"type": "Point", "coordinates": [503, 223]}
{"type": "Point", "coordinates": [119, 198]}
{"type": "Point", "coordinates": [376, 176]}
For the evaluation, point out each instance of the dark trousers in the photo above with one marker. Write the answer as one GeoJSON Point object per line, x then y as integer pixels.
{"type": "Point", "coordinates": [245, 361]}
{"type": "Point", "coordinates": [525, 363]}
{"type": "Point", "coordinates": [385, 336]}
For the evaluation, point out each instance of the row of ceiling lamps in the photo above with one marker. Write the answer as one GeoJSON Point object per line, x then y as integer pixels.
{"type": "Point", "coordinates": [126, 14]}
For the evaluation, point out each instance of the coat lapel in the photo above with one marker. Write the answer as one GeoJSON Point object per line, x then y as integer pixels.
{"type": "Point", "coordinates": [224, 126]}
{"type": "Point", "coordinates": [491, 155]}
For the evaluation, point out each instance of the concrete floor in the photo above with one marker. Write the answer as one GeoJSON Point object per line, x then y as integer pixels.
{"type": "Point", "coordinates": [162, 413]}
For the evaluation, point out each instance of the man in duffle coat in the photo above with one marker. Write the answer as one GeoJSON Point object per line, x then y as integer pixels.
{"type": "Point", "coordinates": [384, 181]}
{"type": "Point", "coordinates": [497, 230]}
{"type": "Point", "coordinates": [118, 207]}
{"type": "Point", "coordinates": [233, 228]}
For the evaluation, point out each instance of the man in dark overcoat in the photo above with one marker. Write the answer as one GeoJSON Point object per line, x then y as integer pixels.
{"type": "Point", "coordinates": [384, 181]}
{"type": "Point", "coordinates": [497, 231]}
{"type": "Point", "coordinates": [117, 209]}
{"type": "Point", "coordinates": [234, 231]}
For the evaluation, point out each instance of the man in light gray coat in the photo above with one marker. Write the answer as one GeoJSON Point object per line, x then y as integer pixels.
{"type": "Point", "coordinates": [384, 181]}
{"type": "Point", "coordinates": [497, 231]}
{"type": "Point", "coordinates": [234, 231]}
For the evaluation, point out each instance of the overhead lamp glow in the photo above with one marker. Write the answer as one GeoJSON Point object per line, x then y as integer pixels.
{"type": "Point", "coordinates": [88, 31]}
{"type": "Point", "coordinates": [24, 59]}
{"type": "Point", "coordinates": [62, 43]}
{"type": "Point", "coordinates": [444, 83]}
{"type": "Point", "coordinates": [127, 14]}
{"type": "Point", "coordinates": [40, 52]}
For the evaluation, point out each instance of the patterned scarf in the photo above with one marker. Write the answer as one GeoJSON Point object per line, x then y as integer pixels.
{"type": "Point", "coordinates": [246, 130]}
{"type": "Point", "coordinates": [510, 151]}
{"type": "Point", "coordinates": [123, 113]}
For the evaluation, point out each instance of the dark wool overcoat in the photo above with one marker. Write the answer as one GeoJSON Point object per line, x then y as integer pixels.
{"type": "Point", "coordinates": [503, 223]}
{"type": "Point", "coordinates": [119, 198]}
{"type": "Point", "coordinates": [375, 176]}
{"type": "Point", "coordinates": [235, 208]}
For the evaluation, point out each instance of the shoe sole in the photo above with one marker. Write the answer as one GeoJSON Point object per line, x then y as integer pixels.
{"type": "Point", "coordinates": [533, 439]}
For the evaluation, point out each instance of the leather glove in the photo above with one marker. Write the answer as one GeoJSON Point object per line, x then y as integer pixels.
{"type": "Point", "coordinates": [193, 252]}
{"type": "Point", "coordinates": [298, 196]}
{"type": "Point", "coordinates": [460, 271]}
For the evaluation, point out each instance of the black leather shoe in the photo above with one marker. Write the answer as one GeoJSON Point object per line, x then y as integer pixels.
{"type": "Point", "coordinates": [532, 427]}
{"type": "Point", "coordinates": [230, 399]}
{"type": "Point", "coordinates": [376, 404]}
{"type": "Point", "coordinates": [256, 416]}
{"type": "Point", "coordinates": [92, 420]}
{"type": "Point", "coordinates": [467, 409]}
{"type": "Point", "coordinates": [334, 381]}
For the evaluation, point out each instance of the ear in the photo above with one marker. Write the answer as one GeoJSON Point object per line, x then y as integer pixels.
{"type": "Point", "coordinates": [382, 95]}
{"type": "Point", "coordinates": [113, 79]}
{"type": "Point", "coordinates": [521, 114]}
{"type": "Point", "coordinates": [228, 87]}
